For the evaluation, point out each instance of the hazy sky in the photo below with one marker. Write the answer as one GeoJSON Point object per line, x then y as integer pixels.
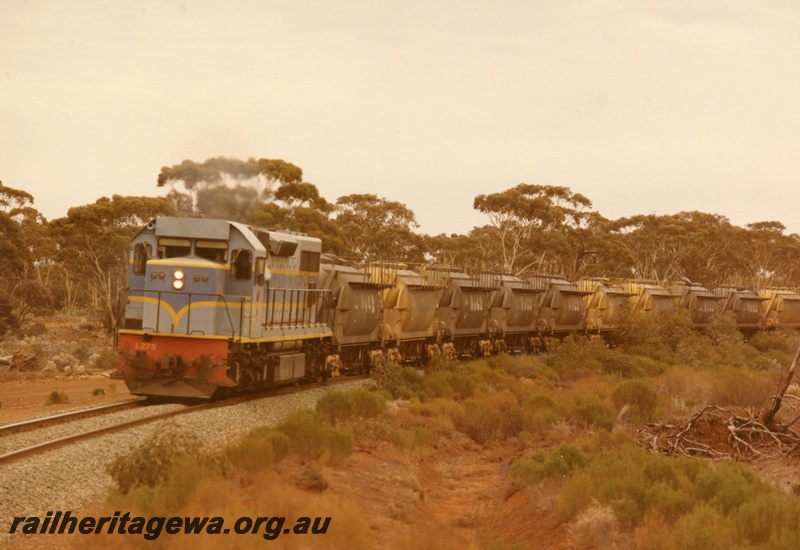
{"type": "Point", "coordinates": [641, 105]}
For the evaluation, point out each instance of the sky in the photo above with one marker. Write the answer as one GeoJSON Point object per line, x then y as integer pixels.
{"type": "Point", "coordinates": [643, 106]}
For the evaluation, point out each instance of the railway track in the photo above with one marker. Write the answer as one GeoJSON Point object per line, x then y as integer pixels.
{"type": "Point", "coordinates": [37, 423]}
{"type": "Point", "coordinates": [49, 444]}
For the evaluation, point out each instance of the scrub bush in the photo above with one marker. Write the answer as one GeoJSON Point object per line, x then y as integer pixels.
{"type": "Point", "coordinates": [152, 462]}
{"type": "Point", "coordinates": [637, 394]}
{"type": "Point", "coordinates": [56, 397]}
{"type": "Point", "coordinates": [310, 436]}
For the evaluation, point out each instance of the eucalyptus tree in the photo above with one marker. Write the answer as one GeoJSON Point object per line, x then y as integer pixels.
{"type": "Point", "coordinates": [767, 257]}
{"type": "Point", "coordinates": [15, 205]}
{"type": "Point", "coordinates": [379, 228]}
{"type": "Point", "coordinates": [26, 251]}
{"type": "Point", "coordinates": [530, 223]}
{"type": "Point", "coordinates": [93, 247]}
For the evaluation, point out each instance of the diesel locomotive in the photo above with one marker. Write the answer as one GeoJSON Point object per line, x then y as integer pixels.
{"type": "Point", "coordinates": [218, 307]}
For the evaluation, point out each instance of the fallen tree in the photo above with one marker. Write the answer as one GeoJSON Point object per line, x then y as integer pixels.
{"type": "Point", "coordinates": [730, 432]}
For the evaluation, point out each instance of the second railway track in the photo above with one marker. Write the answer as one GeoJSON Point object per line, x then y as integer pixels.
{"type": "Point", "coordinates": [31, 437]}
{"type": "Point", "coordinates": [72, 475]}
{"type": "Point", "coordinates": [43, 422]}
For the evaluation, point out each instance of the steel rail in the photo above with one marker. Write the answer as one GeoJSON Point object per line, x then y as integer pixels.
{"type": "Point", "coordinates": [272, 392]}
{"type": "Point", "coordinates": [60, 418]}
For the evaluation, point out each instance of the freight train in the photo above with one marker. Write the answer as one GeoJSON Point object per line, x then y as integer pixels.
{"type": "Point", "coordinates": [217, 307]}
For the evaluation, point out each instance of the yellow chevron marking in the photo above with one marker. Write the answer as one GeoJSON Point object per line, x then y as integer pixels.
{"type": "Point", "coordinates": [176, 315]}
{"type": "Point", "coordinates": [258, 308]}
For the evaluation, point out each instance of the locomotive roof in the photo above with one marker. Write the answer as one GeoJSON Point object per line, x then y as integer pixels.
{"type": "Point", "coordinates": [215, 229]}
{"type": "Point", "coordinates": [205, 228]}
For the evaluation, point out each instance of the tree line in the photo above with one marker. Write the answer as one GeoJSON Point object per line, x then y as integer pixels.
{"type": "Point", "coordinates": [80, 261]}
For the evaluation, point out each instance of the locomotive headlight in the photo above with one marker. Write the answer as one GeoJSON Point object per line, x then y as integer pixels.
{"type": "Point", "coordinates": [177, 285]}
{"type": "Point", "coordinates": [178, 274]}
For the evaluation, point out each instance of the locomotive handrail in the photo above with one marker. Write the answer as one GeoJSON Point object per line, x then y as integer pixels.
{"type": "Point", "coordinates": [301, 308]}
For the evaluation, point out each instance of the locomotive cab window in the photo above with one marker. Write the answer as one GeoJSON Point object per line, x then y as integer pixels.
{"type": "Point", "coordinates": [173, 248]}
{"type": "Point", "coordinates": [216, 251]}
{"type": "Point", "coordinates": [241, 264]}
{"type": "Point", "coordinates": [141, 253]}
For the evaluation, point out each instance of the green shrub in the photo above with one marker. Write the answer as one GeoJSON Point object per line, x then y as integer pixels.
{"type": "Point", "coordinates": [481, 421]}
{"type": "Point", "coordinates": [566, 459]}
{"type": "Point", "coordinates": [633, 363]}
{"type": "Point", "coordinates": [493, 379]}
{"type": "Point", "coordinates": [773, 340]}
{"type": "Point", "coordinates": [450, 408]}
{"type": "Point", "coordinates": [735, 386]}
{"type": "Point", "coordinates": [375, 429]}
{"type": "Point", "coordinates": [440, 362]}
{"type": "Point", "coordinates": [106, 359]}
{"type": "Point", "coordinates": [540, 401]}
{"type": "Point", "coordinates": [637, 394]}
{"type": "Point", "coordinates": [671, 502]}
{"type": "Point", "coordinates": [587, 410]}
{"type": "Point", "coordinates": [335, 406]}
{"type": "Point", "coordinates": [173, 490]}
{"type": "Point", "coordinates": [622, 364]}
{"type": "Point", "coordinates": [152, 461]}
{"type": "Point", "coordinates": [576, 357]}
{"type": "Point", "coordinates": [513, 421]}
{"type": "Point", "coordinates": [56, 397]}
{"type": "Point", "coordinates": [340, 445]}
{"type": "Point", "coordinates": [723, 331]}
{"type": "Point", "coordinates": [460, 384]}
{"type": "Point", "coordinates": [367, 404]}
{"type": "Point", "coordinates": [338, 406]}
{"type": "Point", "coordinates": [260, 449]}
{"type": "Point", "coordinates": [523, 366]}
{"type": "Point", "coordinates": [98, 392]}
{"type": "Point", "coordinates": [418, 437]}
{"type": "Point", "coordinates": [310, 436]}
{"type": "Point", "coordinates": [576, 495]}
{"type": "Point", "coordinates": [653, 334]}
{"type": "Point", "coordinates": [724, 505]}
{"type": "Point", "coordinates": [437, 384]}
{"type": "Point", "coordinates": [411, 378]}
{"type": "Point", "coordinates": [388, 376]}
{"type": "Point", "coordinates": [703, 527]}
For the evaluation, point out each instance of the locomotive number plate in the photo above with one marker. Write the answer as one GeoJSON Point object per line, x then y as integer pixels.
{"type": "Point", "coordinates": [146, 346]}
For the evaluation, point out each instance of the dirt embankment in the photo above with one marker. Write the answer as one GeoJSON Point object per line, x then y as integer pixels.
{"type": "Point", "coordinates": [26, 396]}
